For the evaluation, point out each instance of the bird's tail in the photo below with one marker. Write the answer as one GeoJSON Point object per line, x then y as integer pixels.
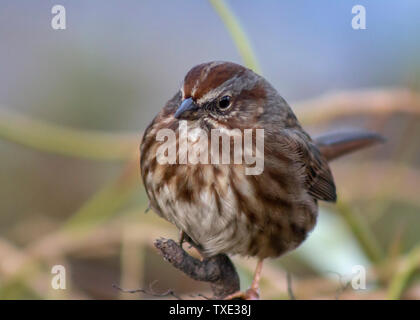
{"type": "Point", "coordinates": [335, 144]}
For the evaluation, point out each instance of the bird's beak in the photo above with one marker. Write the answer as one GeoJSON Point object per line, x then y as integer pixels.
{"type": "Point", "coordinates": [186, 105]}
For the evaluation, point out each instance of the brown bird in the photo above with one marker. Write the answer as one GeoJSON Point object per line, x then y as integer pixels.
{"type": "Point", "coordinates": [219, 206]}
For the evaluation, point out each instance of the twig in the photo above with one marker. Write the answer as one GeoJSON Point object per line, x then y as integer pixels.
{"type": "Point", "coordinates": [201, 296]}
{"type": "Point", "coordinates": [149, 292]}
{"type": "Point", "coordinates": [340, 291]}
{"type": "Point", "coordinates": [219, 270]}
{"type": "Point", "coordinates": [343, 286]}
{"type": "Point", "coordinates": [289, 286]}
{"type": "Point", "coordinates": [51, 138]}
{"type": "Point", "coordinates": [372, 102]}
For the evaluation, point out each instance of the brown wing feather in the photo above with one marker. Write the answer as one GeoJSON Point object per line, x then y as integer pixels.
{"type": "Point", "coordinates": [320, 181]}
{"type": "Point", "coordinates": [317, 174]}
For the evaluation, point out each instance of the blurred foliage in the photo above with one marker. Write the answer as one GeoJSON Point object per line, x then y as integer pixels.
{"type": "Point", "coordinates": [109, 240]}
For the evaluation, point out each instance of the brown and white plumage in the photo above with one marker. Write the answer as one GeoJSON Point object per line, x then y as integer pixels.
{"type": "Point", "coordinates": [219, 207]}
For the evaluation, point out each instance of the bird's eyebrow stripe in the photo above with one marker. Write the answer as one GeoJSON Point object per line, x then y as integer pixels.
{"type": "Point", "coordinates": [214, 93]}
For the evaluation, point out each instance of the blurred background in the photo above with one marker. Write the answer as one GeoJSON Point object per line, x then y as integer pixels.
{"type": "Point", "coordinates": [74, 104]}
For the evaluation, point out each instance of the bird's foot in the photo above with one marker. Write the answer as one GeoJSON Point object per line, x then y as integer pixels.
{"type": "Point", "coordinates": [250, 294]}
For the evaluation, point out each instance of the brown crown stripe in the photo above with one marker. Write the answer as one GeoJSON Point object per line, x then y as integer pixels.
{"type": "Point", "coordinates": [203, 78]}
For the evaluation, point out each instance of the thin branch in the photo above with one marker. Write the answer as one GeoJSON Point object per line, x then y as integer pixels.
{"type": "Point", "coordinates": [371, 102]}
{"type": "Point", "coordinates": [219, 271]}
{"type": "Point", "coordinates": [103, 146]}
{"type": "Point", "coordinates": [289, 286]}
{"type": "Point", "coordinates": [149, 292]}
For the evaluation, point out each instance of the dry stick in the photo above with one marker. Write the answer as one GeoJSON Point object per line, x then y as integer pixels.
{"type": "Point", "coordinates": [150, 292]}
{"type": "Point", "coordinates": [289, 286]}
{"type": "Point", "coordinates": [219, 270]}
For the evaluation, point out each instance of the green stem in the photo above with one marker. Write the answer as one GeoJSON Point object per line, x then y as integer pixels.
{"type": "Point", "coordinates": [88, 144]}
{"type": "Point", "coordinates": [360, 230]}
{"type": "Point", "coordinates": [399, 282]}
{"type": "Point", "coordinates": [237, 33]}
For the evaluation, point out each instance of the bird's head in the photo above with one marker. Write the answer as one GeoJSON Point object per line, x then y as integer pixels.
{"type": "Point", "coordinates": [221, 93]}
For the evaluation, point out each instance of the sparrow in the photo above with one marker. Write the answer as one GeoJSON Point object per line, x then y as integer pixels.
{"type": "Point", "coordinates": [219, 206]}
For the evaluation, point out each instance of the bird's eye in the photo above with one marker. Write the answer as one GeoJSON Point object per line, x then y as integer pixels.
{"type": "Point", "coordinates": [224, 102]}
